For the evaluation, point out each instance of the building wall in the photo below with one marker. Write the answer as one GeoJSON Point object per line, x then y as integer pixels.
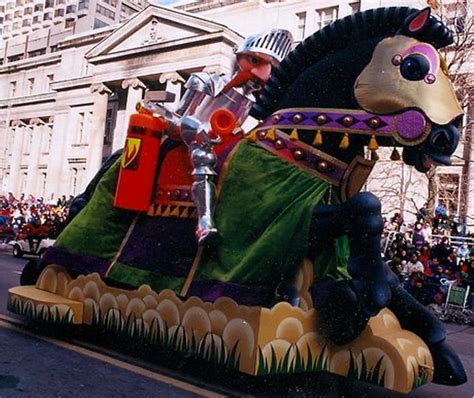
{"type": "Point", "coordinates": [63, 112]}
{"type": "Point", "coordinates": [59, 106]}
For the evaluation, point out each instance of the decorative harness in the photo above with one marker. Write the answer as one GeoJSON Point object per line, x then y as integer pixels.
{"type": "Point", "coordinates": [408, 128]}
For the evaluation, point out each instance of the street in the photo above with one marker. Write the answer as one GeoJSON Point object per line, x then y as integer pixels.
{"type": "Point", "coordinates": [38, 366]}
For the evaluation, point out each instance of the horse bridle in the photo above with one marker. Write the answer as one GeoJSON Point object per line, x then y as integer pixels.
{"type": "Point", "coordinates": [408, 128]}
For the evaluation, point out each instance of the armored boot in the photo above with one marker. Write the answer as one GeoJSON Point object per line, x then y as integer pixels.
{"type": "Point", "coordinates": [204, 193]}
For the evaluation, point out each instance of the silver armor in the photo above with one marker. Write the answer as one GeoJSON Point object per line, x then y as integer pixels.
{"type": "Point", "coordinates": [190, 122]}
{"type": "Point", "coordinates": [203, 97]}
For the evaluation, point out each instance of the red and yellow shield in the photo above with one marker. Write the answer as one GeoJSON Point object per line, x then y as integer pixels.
{"type": "Point", "coordinates": [130, 152]}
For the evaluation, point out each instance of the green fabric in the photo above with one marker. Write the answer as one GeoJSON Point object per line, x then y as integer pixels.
{"type": "Point", "coordinates": [263, 214]}
{"type": "Point", "coordinates": [100, 228]}
{"type": "Point", "coordinates": [137, 277]}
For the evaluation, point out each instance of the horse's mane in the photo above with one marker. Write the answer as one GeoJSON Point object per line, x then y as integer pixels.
{"type": "Point", "coordinates": [366, 25]}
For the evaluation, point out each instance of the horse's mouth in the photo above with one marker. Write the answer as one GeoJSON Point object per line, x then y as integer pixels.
{"type": "Point", "coordinates": [423, 162]}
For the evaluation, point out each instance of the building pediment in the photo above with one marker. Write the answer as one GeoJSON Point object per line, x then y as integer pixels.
{"type": "Point", "coordinates": [155, 25]}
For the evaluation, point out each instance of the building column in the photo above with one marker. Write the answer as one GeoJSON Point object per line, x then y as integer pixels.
{"type": "Point", "coordinates": [15, 162]}
{"type": "Point", "coordinates": [174, 83]}
{"type": "Point", "coordinates": [97, 129]}
{"type": "Point", "coordinates": [56, 161]}
{"type": "Point", "coordinates": [135, 88]}
{"type": "Point", "coordinates": [33, 161]}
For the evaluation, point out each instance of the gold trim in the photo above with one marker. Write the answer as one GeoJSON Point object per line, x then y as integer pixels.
{"type": "Point", "coordinates": [358, 160]}
{"type": "Point", "coordinates": [311, 150]}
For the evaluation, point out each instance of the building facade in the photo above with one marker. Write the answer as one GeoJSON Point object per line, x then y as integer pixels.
{"type": "Point", "coordinates": [63, 111]}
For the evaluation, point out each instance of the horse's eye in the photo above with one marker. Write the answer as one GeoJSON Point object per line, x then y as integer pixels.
{"type": "Point", "coordinates": [415, 67]}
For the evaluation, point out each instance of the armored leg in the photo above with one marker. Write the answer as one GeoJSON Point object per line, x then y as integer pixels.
{"type": "Point", "coordinates": [203, 158]}
{"type": "Point", "coordinates": [204, 195]}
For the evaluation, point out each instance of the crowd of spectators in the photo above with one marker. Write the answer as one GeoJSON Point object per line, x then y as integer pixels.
{"type": "Point", "coordinates": [31, 218]}
{"type": "Point", "coordinates": [430, 254]}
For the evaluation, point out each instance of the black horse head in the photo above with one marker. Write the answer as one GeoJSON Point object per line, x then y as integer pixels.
{"type": "Point", "coordinates": [384, 62]}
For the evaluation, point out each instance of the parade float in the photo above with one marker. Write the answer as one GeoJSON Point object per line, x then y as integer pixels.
{"type": "Point", "coordinates": [291, 280]}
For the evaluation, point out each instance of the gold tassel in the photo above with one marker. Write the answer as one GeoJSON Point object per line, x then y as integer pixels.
{"type": "Point", "coordinates": [252, 136]}
{"type": "Point", "coordinates": [271, 135]}
{"type": "Point", "coordinates": [318, 139]}
{"type": "Point", "coordinates": [373, 145]}
{"type": "Point", "coordinates": [395, 155]}
{"type": "Point", "coordinates": [294, 135]}
{"type": "Point", "coordinates": [344, 142]}
{"type": "Point", "coordinates": [373, 156]}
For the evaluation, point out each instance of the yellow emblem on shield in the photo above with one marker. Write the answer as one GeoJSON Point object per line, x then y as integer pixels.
{"type": "Point", "coordinates": [131, 150]}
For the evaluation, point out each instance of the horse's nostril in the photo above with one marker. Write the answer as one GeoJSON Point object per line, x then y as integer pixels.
{"type": "Point", "coordinates": [442, 141]}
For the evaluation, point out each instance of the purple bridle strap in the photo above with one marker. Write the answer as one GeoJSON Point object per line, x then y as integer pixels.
{"type": "Point", "coordinates": [409, 127]}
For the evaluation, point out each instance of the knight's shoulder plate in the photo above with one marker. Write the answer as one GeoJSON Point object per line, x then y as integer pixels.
{"type": "Point", "coordinates": [207, 83]}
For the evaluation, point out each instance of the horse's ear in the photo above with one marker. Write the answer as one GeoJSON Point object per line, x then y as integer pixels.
{"type": "Point", "coordinates": [414, 24]}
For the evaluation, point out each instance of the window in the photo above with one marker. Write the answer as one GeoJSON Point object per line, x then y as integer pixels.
{"type": "Point", "coordinates": [10, 6]}
{"type": "Point", "coordinates": [26, 22]}
{"type": "Point", "coordinates": [127, 9]}
{"type": "Point", "coordinates": [28, 11]}
{"type": "Point", "coordinates": [301, 25]}
{"type": "Point", "coordinates": [43, 177]}
{"type": "Point", "coordinates": [47, 16]}
{"type": "Point", "coordinates": [71, 9]}
{"type": "Point", "coordinates": [36, 19]}
{"type": "Point", "coordinates": [35, 53]}
{"type": "Point", "coordinates": [325, 16]}
{"type": "Point", "coordinates": [30, 86]}
{"type": "Point", "coordinates": [8, 17]}
{"type": "Point", "coordinates": [17, 14]}
{"type": "Point", "coordinates": [49, 3]}
{"type": "Point", "coordinates": [49, 80]}
{"type": "Point", "coordinates": [83, 4]}
{"type": "Point", "coordinates": [108, 127]}
{"type": "Point", "coordinates": [59, 12]}
{"type": "Point", "coordinates": [38, 7]}
{"type": "Point", "coordinates": [99, 24]}
{"type": "Point", "coordinates": [69, 23]}
{"type": "Point", "coordinates": [105, 11]}
{"type": "Point", "coordinates": [80, 128]}
{"type": "Point", "coordinates": [355, 7]}
{"type": "Point", "coordinates": [16, 26]}
{"type": "Point", "coordinates": [12, 89]}
{"type": "Point", "coordinates": [1, 20]}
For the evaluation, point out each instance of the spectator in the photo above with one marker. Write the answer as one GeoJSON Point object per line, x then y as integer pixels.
{"type": "Point", "coordinates": [414, 265]}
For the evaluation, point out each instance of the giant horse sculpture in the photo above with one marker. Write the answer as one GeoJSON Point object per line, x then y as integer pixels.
{"type": "Point", "coordinates": [287, 192]}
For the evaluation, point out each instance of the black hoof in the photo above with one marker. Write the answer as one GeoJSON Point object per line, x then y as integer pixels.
{"type": "Point", "coordinates": [448, 367]}
{"type": "Point", "coordinates": [341, 317]}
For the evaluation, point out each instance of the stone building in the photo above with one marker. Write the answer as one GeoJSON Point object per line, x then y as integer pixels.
{"type": "Point", "coordinates": [55, 132]}
{"type": "Point", "coordinates": [63, 112]}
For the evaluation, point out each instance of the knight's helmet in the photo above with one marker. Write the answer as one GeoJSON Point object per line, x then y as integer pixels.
{"type": "Point", "coordinates": [275, 43]}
